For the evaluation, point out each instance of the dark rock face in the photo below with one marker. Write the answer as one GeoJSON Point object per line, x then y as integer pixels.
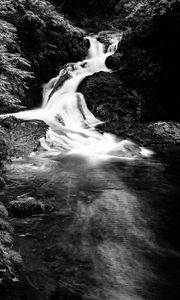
{"type": "Point", "coordinates": [109, 99]}
{"type": "Point", "coordinates": [145, 84]}
{"type": "Point", "coordinates": [113, 61]}
{"type": "Point", "coordinates": [151, 64]}
{"type": "Point", "coordinates": [20, 137]}
{"type": "Point", "coordinates": [122, 110]}
{"type": "Point", "coordinates": [150, 134]}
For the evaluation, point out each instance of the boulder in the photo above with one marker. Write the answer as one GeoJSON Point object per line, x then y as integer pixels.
{"type": "Point", "coordinates": [109, 99]}
{"type": "Point", "coordinates": [113, 61]}
{"type": "Point", "coordinates": [26, 206]}
{"type": "Point", "coordinates": [150, 62]}
{"type": "Point", "coordinates": [20, 138]}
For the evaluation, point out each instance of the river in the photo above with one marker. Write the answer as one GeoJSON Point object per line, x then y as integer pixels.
{"type": "Point", "coordinates": [113, 232]}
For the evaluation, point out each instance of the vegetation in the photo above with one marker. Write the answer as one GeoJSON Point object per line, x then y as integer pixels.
{"type": "Point", "coordinates": [132, 12]}
{"type": "Point", "coordinates": [14, 67]}
{"type": "Point", "coordinates": [99, 15]}
{"type": "Point", "coordinates": [35, 40]}
{"type": "Point", "coordinates": [145, 84]}
{"type": "Point", "coordinates": [9, 259]}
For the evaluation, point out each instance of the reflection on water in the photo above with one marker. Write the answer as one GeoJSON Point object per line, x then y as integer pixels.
{"type": "Point", "coordinates": [114, 232]}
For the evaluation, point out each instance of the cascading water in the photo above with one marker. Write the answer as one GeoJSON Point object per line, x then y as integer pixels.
{"type": "Point", "coordinates": [111, 230]}
{"type": "Point", "coordinates": [71, 124]}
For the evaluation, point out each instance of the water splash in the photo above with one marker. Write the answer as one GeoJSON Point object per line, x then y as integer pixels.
{"type": "Point", "coordinates": [71, 124]}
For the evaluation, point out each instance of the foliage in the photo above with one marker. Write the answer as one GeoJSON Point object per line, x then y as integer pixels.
{"type": "Point", "coordinates": [133, 12]}
{"type": "Point", "coordinates": [35, 40]}
{"type": "Point", "coordinates": [13, 68]}
{"type": "Point", "coordinates": [9, 259]}
{"type": "Point", "coordinates": [48, 40]}
{"type": "Point", "coordinates": [111, 14]}
{"type": "Point", "coordinates": [150, 51]}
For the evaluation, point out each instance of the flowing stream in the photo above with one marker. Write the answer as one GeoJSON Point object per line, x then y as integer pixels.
{"type": "Point", "coordinates": [71, 124]}
{"type": "Point", "coordinates": [112, 232]}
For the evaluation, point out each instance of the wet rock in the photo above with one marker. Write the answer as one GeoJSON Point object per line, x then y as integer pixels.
{"type": "Point", "coordinates": [128, 149]}
{"type": "Point", "coordinates": [123, 110]}
{"type": "Point", "coordinates": [152, 133]}
{"type": "Point", "coordinates": [108, 36]}
{"type": "Point", "coordinates": [151, 62]}
{"type": "Point", "coordinates": [87, 43]}
{"type": "Point", "coordinates": [21, 138]}
{"type": "Point", "coordinates": [109, 99]}
{"type": "Point", "coordinates": [113, 61]}
{"type": "Point", "coordinates": [26, 206]}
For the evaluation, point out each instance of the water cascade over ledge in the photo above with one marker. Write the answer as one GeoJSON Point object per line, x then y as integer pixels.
{"type": "Point", "coordinates": [71, 123]}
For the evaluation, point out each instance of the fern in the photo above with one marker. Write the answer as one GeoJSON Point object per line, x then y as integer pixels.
{"type": "Point", "coordinates": [13, 68]}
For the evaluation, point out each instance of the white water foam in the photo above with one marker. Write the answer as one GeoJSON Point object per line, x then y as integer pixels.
{"type": "Point", "coordinates": [71, 124]}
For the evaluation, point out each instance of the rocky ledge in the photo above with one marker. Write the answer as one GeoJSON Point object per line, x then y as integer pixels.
{"type": "Point", "coordinates": [20, 137]}
{"type": "Point", "coordinates": [124, 111]}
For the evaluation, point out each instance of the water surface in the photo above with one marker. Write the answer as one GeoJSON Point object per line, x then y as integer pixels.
{"type": "Point", "coordinates": [113, 232]}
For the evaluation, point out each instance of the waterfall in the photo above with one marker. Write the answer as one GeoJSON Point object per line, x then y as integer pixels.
{"type": "Point", "coordinates": [113, 46]}
{"type": "Point", "coordinates": [71, 124]}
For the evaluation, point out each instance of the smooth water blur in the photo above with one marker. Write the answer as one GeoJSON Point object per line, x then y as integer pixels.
{"type": "Point", "coordinates": [113, 229]}
{"type": "Point", "coordinates": [113, 233]}
{"type": "Point", "coordinates": [71, 124]}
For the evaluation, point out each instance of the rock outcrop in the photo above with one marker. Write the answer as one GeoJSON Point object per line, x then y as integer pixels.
{"type": "Point", "coordinates": [26, 206]}
{"type": "Point", "coordinates": [21, 137]}
{"type": "Point", "coordinates": [108, 98]}
{"type": "Point", "coordinates": [147, 60]}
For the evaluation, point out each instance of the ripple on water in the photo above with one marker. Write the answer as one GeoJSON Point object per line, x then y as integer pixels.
{"type": "Point", "coordinates": [113, 233]}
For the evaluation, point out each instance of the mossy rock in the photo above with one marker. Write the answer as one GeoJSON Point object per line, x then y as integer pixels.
{"type": "Point", "coordinates": [26, 206]}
